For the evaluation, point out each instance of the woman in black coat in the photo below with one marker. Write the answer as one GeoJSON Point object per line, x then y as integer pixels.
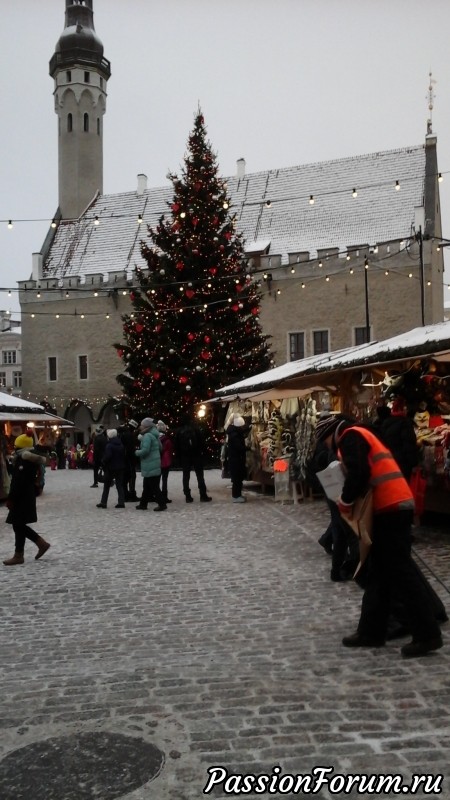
{"type": "Point", "coordinates": [236, 454]}
{"type": "Point", "coordinates": [22, 499]}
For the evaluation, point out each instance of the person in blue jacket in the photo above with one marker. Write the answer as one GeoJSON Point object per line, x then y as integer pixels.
{"type": "Point", "coordinates": [149, 454]}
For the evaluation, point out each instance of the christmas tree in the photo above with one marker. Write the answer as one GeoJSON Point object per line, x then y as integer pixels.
{"type": "Point", "coordinates": [195, 322]}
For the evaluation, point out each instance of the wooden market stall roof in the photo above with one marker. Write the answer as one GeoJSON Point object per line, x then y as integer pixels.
{"type": "Point", "coordinates": [431, 341]}
{"type": "Point", "coordinates": [15, 409]}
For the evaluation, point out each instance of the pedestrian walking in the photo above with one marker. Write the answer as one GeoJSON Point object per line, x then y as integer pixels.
{"type": "Point", "coordinates": [127, 433]}
{"type": "Point", "coordinates": [189, 449]}
{"type": "Point", "coordinates": [149, 453]}
{"type": "Point", "coordinates": [167, 454]}
{"type": "Point", "coordinates": [237, 433]}
{"type": "Point", "coordinates": [114, 466]}
{"type": "Point", "coordinates": [21, 500]}
{"type": "Point", "coordinates": [390, 572]}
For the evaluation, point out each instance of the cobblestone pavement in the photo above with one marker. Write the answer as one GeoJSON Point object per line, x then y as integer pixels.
{"type": "Point", "coordinates": [210, 635]}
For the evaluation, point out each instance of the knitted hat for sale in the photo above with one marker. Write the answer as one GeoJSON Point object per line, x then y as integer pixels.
{"type": "Point", "coordinates": [327, 425]}
{"type": "Point", "coordinates": [112, 433]}
{"type": "Point", "coordinates": [238, 421]}
{"type": "Point", "coordinates": [147, 423]}
{"type": "Point", "coordinates": [23, 441]}
{"type": "Point", "coordinates": [162, 427]}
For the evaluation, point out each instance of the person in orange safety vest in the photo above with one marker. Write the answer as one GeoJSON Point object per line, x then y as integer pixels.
{"type": "Point", "coordinates": [390, 572]}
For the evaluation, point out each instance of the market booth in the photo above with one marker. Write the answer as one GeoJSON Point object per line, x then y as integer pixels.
{"type": "Point", "coordinates": [19, 416]}
{"type": "Point", "coordinates": [283, 403]}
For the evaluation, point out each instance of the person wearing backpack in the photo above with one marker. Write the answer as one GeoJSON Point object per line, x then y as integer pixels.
{"type": "Point", "coordinates": [189, 448]}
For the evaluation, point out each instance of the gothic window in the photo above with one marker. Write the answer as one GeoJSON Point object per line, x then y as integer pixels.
{"type": "Point", "coordinates": [296, 346]}
{"type": "Point", "coordinates": [86, 123]}
{"type": "Point", "coordinates": [361, 336]}
{"type": "Point", "coordinates": [69, 123]}
{"type": "Point", "coordinates": [320, 342]}
{"type": "Point", "coordinates": [51, 363]}
{"type": "Point", "coordinates": [68, 75]}
{"type": "Point", "coordinates": [83, 367]}
{"type": "Point", "coordinates": [87, 77]}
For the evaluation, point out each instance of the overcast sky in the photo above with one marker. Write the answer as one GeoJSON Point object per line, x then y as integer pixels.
{"type": "Point", "coordinates": [280, 83]}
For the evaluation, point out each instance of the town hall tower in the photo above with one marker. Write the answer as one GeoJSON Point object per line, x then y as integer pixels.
{"type": "Point", "coordinates": [80, 74]}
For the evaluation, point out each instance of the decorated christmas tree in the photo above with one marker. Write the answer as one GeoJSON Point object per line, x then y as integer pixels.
{"type": "Point", "coordinates": [195, 322]}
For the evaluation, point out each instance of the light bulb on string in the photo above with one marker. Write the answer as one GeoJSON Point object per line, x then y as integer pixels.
{"type": "Point", "coordinates": [354, 193]}
{"type": "Point", "coordinates": [10, 224]}
{"type": "Point", "coordinates": [397, 186]}
{"type": "Point", "coordinates": [53, 223]}
{"type": "Point", "coordinates": [440, 178]}
{"type": "Point", "coordinates": [311, 199]}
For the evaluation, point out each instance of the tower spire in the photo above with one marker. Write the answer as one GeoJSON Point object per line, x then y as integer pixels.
{"type": "Point", "coordinates": [80, 73]}
{"type": "Point", "coordinates": [430, 97]}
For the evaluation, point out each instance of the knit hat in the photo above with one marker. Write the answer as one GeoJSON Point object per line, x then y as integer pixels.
{"type": "Point", "coordinates": [147, 423]}
{"type": "Point", "coordinates": [112, 433]}
{"type": "Point", "coordinates": [162, 427]}
{"type": "Point", "coordinates": [327, 425]}
{"type": "Point", "coordinates": [238, 421]}
{"type": "Point", "coordinates": [133, 423]}
{"type": "Point", "coordinates": [23, 441]}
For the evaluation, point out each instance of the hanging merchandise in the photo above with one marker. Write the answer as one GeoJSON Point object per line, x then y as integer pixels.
{"type": "Point", "coordinates": [305, 437]}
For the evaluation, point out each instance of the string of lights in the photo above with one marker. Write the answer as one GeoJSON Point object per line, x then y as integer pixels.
{"type": "Point", "coordinates": [310, 199]}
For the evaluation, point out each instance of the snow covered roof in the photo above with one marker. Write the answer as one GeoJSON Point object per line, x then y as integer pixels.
{"type": "Point", "coordinates": [288, 222]}
{"type": "Point", "coordinates": [424, 341]}
{"type": "Point", "coordinates": [10, 401]}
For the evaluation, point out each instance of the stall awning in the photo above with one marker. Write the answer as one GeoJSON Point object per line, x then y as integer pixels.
{"type": "Point", "coordinates": [36, 416]}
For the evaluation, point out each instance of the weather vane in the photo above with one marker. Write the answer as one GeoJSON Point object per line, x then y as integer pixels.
{"type": "Point", "coordinates": [430, 97]}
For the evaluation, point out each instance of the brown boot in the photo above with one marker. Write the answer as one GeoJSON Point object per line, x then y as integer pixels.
{"type": "Point", "coordinates": [42, 547]}
{"type": "Point", "coordinates": [16, 559]}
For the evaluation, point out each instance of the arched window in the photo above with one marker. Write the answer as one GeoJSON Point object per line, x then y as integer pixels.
{"type": "Point", "coordinates": [69, 123]}
{"type": "Point", "coordinates": [86, 123]}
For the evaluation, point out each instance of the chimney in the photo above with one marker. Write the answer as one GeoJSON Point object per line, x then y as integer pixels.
{"type": "Point", "coordinates": [37, 260]}
{"type": "Point", "coordinates": [142, 184]}
{"type": "Point", "coordinates": [240, 165]}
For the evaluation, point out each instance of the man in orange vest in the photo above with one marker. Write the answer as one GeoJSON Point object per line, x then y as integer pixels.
{"type": "Point", "coordinates": [368, 463]}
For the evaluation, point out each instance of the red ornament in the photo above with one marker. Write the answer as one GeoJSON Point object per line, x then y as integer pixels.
{"type": "Point", "coordinates": [195, 221]}
{"type": "Point", "coordinates": [138, 327]}
{"type": "Point", "coordinates": [120, 353]}
{"type": "Point", "coordinates": [147, 371]}
{"type": "Point", "coordinates": [189, 293]}
{"type": "Point", "coordinates": [228, 236]}
{"type": "Point", "coordinates": [235, 307]}
{"type": "Point", "coordinates": [239, 287]}
{"type": "Point", "coordinates": [206, 355]}
{"type": "Point", "coordinates": [183, 379]}
{"type": "Point", "coordinates": [132, 295]}
{"type": "Point", "coordinates": [213, 270]}
{"type": "Point", "coordinates": [221, 248]}
{"type": "Point", "coordinates": [255, 312]}
{"type": "Point", "coordinates": [176, 226]}
{"type": "Point", "coordinates": [156, 376]}
{"type": "Point", "coordinates": [179, 265]}
{"type": "Point", "coordinates": [158, 328]}
{"type": "Point", "coordinates": [191, 337]}
{"type": "Point", "coordinates": [207, 339]}
{"type": "Point", "coordinates": [175, 207]}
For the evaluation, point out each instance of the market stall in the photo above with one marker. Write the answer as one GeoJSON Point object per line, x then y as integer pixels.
{"type": "Point", "coordinates": [19, 416]}
{"type": "Point", "coordinates": [414, 366]}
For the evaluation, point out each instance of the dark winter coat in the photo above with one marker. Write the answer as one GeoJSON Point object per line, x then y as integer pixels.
{"type": "Point", "coordinates": [236, 451]}
{"type": "Point", "coordinates": [398, 433]}
{"type": "Point", "coordinates": [189, 445]}
{"type": "Point", "coordinates": [114, 456]}
{"type": "Point", "coordinates": [22, 491]}
{"type": "Point", "coordinates": [99, 447]}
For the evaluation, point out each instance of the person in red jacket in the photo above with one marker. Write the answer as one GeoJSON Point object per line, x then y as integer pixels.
{"type": "Point", "coordinates": [167, 454]}
{"type": "Point", "coordinates": [391, 574]}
